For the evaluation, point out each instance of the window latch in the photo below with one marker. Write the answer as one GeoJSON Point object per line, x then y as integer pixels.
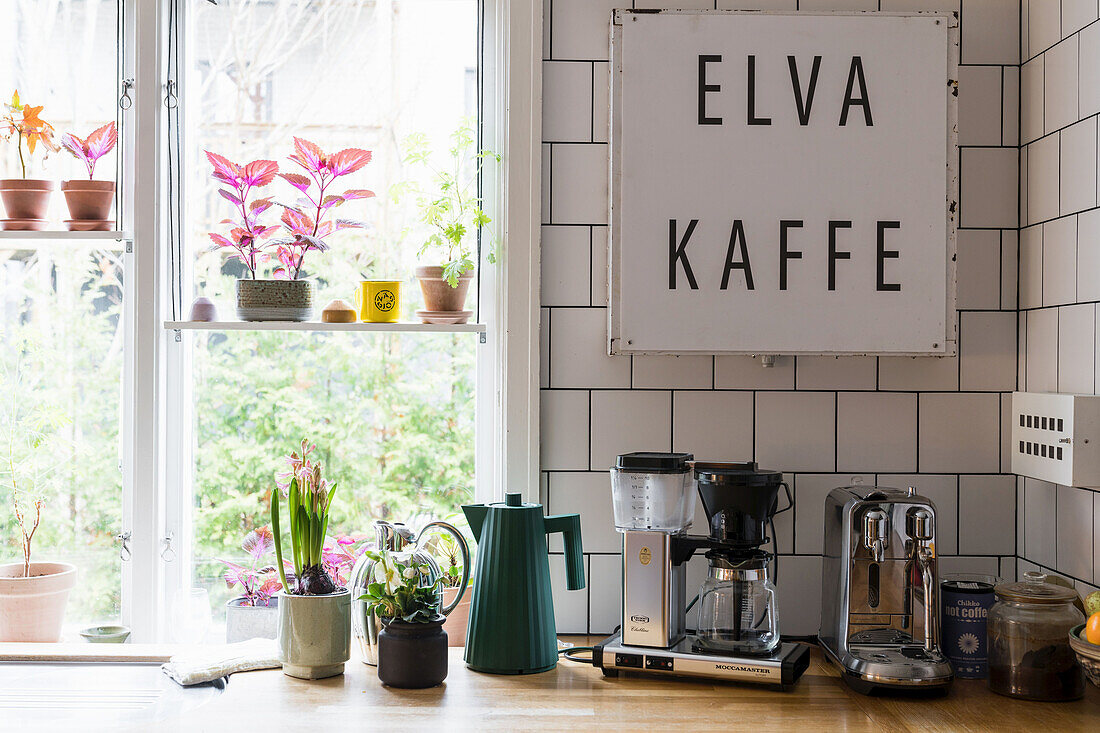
{"type": "Point", "coordinates": [167, 553]}
{"type": "Point", "coordinates": [124, 551]}
{"type": "Point", "coordinates": [126, 101]}
{"type": "Point", "coordinates": [171, 101]}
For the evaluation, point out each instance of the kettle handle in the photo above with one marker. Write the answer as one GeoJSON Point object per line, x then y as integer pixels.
{"type": "Point", "coordinates": [463, 548]}
{"type": "Point", "coordinates": [570, 527]}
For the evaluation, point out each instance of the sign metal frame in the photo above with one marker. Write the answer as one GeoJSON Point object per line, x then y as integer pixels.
{"type": "Point", "coordinates": [619, 342]}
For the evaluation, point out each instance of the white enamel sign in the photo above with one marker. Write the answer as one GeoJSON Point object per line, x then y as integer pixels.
{"type": "Point", "coordinates": [783, 183]}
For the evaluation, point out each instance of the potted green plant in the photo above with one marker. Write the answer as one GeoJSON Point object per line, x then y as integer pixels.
{"type": "Point", "coordinates": [306, 224]}
{"type": "Point", "coordinates": [314, 614]}
{"type": "Point", "coordinates": [412, 645]}
{"type": "Point", "coordinates": [33, 595]}
{"type": "Point", "coordinates": [445, 548]}
{"type": "Point", "coordinates": [453, 213]}
{"type": "Point", "coordinates": [26, 200]}
{"type": "Point", "coordinates": [255, 612]}
{"type": "Point", "coordinates": [89, 201]}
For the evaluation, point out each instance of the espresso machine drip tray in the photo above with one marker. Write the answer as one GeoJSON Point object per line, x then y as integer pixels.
{"type": "Point", "coordinates": [781, 668]}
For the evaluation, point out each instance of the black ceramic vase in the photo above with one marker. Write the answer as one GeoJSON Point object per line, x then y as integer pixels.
{"type": "Point", "coordinates": [412, 655]}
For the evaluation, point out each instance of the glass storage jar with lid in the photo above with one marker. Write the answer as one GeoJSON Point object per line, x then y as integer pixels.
{"type": "Point", "coordinates": [1029, 652]}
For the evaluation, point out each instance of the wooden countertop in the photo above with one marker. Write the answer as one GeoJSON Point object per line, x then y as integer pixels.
{"type": "Point", "coordinates": [575, 696]}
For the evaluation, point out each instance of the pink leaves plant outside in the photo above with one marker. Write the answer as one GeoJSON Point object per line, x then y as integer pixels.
{"type": "Point", "coordinates": [247, 235]}
{"type": "Point", "coordinates": [308, 221]}
{"type": "Point", "coordinates": [258, 581]}
{"type": "Point", "coordinates": [340, 555]}
{"type": "Point", "coordinates": [90, 149]}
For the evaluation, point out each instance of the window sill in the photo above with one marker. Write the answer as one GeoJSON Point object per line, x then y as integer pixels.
{"type": "Point", "coordinates": [82, 652]}
{"type": "Point", "coordinates": [319, 326]}
{"type": "Point", "coordinates": [67, 236]}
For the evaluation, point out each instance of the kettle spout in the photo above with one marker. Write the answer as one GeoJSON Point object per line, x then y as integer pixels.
{"type": "Point", "coordinates": [475, 517]}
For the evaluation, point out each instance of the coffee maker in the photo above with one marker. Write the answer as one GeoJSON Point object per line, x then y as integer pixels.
{"type": "Point", "coordinates": [738, 634]}
{"type": "Point", "coordinates": [879, 606]}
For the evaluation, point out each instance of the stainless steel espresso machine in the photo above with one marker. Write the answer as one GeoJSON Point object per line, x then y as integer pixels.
{"type": "Point", "coordinates": [879, 607]}
{"type": "Point", "coordinates": [738, 633]}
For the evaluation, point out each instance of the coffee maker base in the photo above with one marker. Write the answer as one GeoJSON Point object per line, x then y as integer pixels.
{"type": "Point", "coordinates": [782, 668]}
{"type": "Point", "coordinates": [893, 670]}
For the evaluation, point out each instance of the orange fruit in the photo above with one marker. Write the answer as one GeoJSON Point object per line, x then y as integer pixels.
{"type": "Point", "coordinates": [1092, 628]}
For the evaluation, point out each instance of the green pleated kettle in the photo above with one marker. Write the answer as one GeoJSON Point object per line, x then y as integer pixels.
{"type": "Point", "coordinates": [511, 628]}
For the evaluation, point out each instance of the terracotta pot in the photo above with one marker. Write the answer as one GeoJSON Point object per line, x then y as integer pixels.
{"type": "Point", "coordinates": [26, 198]}
{"type": "Point", "coordinates": [314, 634]}
{"type": "Point", "coordinates": [457, 619]}
{"type": "Point", "coordinates": [90, 225]}
{"type": "Point", "coordinates": [23, 225]}
{"type": "Point", "coordinates": [32, 609]}
{"type": "Point", "coordinates": [274, 300]}
{"type": "Point", "coordinates": [90, 200]}
{"type": "Point", "coordinates": [438, 293]}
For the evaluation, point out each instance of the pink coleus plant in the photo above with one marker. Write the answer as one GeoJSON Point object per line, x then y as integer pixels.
{"type": "Point", "coordinates": [90, 149]}
{"type": "Point", "coordinates": [258, 582]}
{"type": "Point", "coordinates": [340, 555]}
{"type": "Point", "coordinates": [307, 222]}
{"type": "Point", "coordinates": [247, 235]}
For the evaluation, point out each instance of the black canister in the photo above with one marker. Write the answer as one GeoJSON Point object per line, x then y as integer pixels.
{"type": "Point", "coordinates": [965, 600]}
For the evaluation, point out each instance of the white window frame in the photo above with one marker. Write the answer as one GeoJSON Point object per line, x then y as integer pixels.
{"type": "Point", "coordinates": [157, 439]}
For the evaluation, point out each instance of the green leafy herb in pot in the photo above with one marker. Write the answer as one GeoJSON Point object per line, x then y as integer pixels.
{"type": "Point", "coordinates": [396, 591]}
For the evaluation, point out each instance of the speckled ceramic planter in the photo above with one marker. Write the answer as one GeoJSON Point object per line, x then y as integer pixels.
{"type": "Point", "coordinates": [251, 622]}
{"type": "Point", "coordinates": [314, 634]}
{"type": "Point", "coordinates": [274, 300]}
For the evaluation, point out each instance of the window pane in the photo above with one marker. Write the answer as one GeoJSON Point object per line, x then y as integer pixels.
{"type": "Point", "coordinates": [392, 414]}
{"type": "Point", "coordinates": [353, 74]}
{"type": "Point", "coordinates": [61, 330]}
{"type": "Point", "coordinates": [61, 55]}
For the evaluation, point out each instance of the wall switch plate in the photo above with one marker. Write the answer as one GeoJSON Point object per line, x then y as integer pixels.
{"type": "Point", "coordinates": [1056, 438]}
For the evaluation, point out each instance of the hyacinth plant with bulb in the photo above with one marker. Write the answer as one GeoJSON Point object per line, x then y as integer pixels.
{"type": "Point", "coordinates": [308, 498]}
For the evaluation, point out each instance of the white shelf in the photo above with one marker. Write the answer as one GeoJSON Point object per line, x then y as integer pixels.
{"type": "Point", "coordinates": [319, 326]}
{"type": "Point", "coordinates": [62, 235]}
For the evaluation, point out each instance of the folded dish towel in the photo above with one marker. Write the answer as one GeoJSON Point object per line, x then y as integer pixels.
{"type": "Point", "coordinates": [208, 663]}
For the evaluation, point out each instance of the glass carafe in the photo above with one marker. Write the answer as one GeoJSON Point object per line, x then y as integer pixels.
{"type": "Point", "coordinates": [737, 607]}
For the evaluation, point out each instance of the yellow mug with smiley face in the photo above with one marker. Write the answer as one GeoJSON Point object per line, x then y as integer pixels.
{"type": "Point", "coordinates": [378, 301]}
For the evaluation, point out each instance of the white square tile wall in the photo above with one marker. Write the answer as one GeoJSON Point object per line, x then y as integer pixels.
{"type": "Point", "coordinates": [1059, 277]}
{"type": "Point", "coordinates": [865, 417]}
